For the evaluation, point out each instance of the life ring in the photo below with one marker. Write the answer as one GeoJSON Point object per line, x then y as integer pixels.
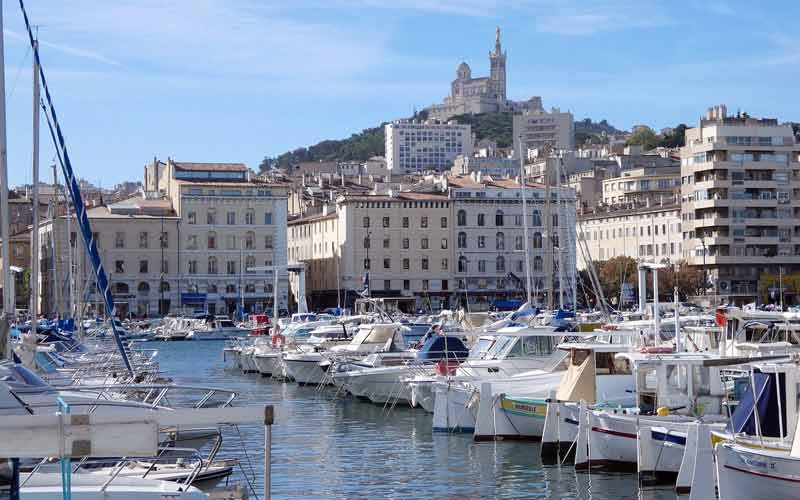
{"type": "Point", "coordinates": [276, 338]}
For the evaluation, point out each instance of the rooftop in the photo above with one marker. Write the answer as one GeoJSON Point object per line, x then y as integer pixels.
{"type": "Point", "coordinates": [212, 167]}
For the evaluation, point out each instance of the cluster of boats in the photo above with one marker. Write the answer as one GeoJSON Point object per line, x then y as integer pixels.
{"type": "Point", "coordinates": [702, 402]}
{"type": "Point", "coordinates": [69, 405]}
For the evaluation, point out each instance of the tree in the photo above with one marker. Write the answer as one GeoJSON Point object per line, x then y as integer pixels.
{"type": "Point", "coordinates": [676, 139]}
{"type": "Point", "coordinates": [615, 271]}
{"type": "Point", "coordinates": [689, 280]}
{"type": "Point", "coordinates": [644, 137]}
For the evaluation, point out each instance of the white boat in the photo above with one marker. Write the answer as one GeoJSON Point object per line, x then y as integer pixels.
{"type": "Point", "coordinates": [218, 328]}
{"type": "Point", "coordinates": [47, 486]}
{"type": "Point", "coordinates": [303, 364]}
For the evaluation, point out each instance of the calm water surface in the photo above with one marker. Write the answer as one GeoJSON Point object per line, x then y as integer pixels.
{"type": "Point", "coordinates": [336, 447]}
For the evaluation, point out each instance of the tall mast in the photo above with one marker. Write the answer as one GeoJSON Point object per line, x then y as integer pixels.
{"type": "Point", "coordinates": [8, 300]}
{"type": "Point", "coordinates": [34, 300]}
{"type": "Point", "coordinates": [525, 223]}
{"type": "Point", "coordinates": [560, 254]}
{"type": "Point", "coordinates": [548, 232]}
{"type": "Point", "coordinates": [56, 287]}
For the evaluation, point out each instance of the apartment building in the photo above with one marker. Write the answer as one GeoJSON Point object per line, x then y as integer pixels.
{"type": "Point", "coordinates": [539, 129]}
{"type": "Point", "coordinates": [741, 201]}
{"type": "Point", "coordinates": [416, 146]}
{"type": "Point", "coordinates": [191, 242]}
{"type": "Point", "coordinates": [648, 233]}
{"type": "Point", "coordinates": [645, 185]}
{"type": "Point", "coordinates": [490, 241]}
{"type": "Point", "coordinates": [397, 245]}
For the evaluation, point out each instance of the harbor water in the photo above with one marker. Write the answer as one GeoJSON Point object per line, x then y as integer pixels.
{"type": "Point", "coordinates": [333, 446]}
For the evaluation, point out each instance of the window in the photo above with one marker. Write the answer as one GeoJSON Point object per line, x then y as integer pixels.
{"type": "Point", "coordinates": [406, 264]}
{"type": "Point", "coordinates": [192, 267]}
{"type": "Point", "coordinates": [445, 285]}
{"type": "Point", "coordinates": [212, 240]}
{"type": "Point", "coordinates": [406, 284]}
{"type": "Point", "coordinates": [191, 218]}
{"type": "Point", "coordinates": [119, 266]}
{"type": "Point", "coordinates": [143, 267]}
{"type": "Point", "coordinates": [423, 221]}
{"type": "Point", "coordinates": [268, 241]}
{"type": "Point", "coordinates": [462, 240]}
{"type": "Point", "coordinates": [249, 264]}
{"type": "Point", "coordinates": [231, 242]}
{"type": "Point", "coordinates": [366, 222]}
{"type": "Point", "coordinates": [462, 264]}
{"type": "Point", "coordinates": [366, 263]}
{"type": "Point", "coordinates": [231, 218]}
{"type": "Point", "coordinates": [500, 264]}
{"type": "Point", "coordinates": [121, 288]}
{"type": "Point", "coordinates": [386, 243]}
{"type": "Point", "coordinates": [519, 242]}
{"type": "Point", "coordinates": [425, 284]}
{"type": "Point", "coordinates": [444, 243]}
{"type": "Point", "coordinates": [164, 266]}
{"type": "Point", "coordinates": [498, 218]}
{"type": "Point", "coordinates": [250, 217]}
{"type": "Point", "coordinates": [443, 222]}
{"type": "Point", "coordinates": [211, 216]}
{"type": "Point", "coordinates": [250, 288]}
{"type": "Point", "coordinates": [538, 263]}
{"type": "Point", "coordinates": [405, 222]}
{"type": "Point", "coordinates": [537, 240]}
{"type": "Point", "coordinates": [250, 240]}
{"type": "Point", "coordinates": [462, 218]}
{"type": "Point", "coordinates": [212, 265]}
{"type": "Point", "coordinates": [366, 242]}
{"type": "Point", "coordinates": [481, 266]}
{"type": "Point", "coordinates": [230, 289]}
{"type": "Point", "coordinates": [268, 218]}
{"type": "Point", "coordinates": [387, 263]}
{"type": "Point", "coordinates": [163, 239]}
{"type": "Point", "coordinates": [517, 220]}
{"type": "Point", "coordinates": [230, 267]}
{"type": "Point", "coordinates": [481, 220]}
{"type": "Point", "coordinates": [405, 244]}
{"type": "Point", "coordinates": [444, 264]}
{"type": "Point", "coordinates": [119, 240]}
{"type": "Point", "coordinates": [424, 263]}
{"type": "Point", "coordinates": [424, 243]}
{"type": "Point", "coordinates": [387, 284]}
{"type": "Point", "coordinates": [537, 218]}
{"type": "Point", "coordinates": [386, 222]}
{"type": "Point", "coordinates": [500, 241]}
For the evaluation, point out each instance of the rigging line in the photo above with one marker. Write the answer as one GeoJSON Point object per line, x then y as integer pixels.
{"type": "Point", "coordinates": [19, 72]}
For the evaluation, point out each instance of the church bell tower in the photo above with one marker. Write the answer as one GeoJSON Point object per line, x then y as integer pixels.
{"type": "Point", "coordinates": [497, 65]}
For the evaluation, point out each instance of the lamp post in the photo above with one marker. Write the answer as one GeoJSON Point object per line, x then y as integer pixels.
{"type": "Point", "coordinates": [369, 262]}
{"type": "Point", "coordinates": [705, 269]}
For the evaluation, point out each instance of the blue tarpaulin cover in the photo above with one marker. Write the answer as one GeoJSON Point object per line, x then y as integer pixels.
{"type": "Point", "coordinates": [743, 419]}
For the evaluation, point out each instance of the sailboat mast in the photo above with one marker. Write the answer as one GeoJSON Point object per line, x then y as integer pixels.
{"type": "Point", "coordinates": [34, 287]}
{"type": "Point", "coordinates": [5, 215]}
{"type": "Point", "coordinates": [525, 224]}
{"type": "Point", "coordinates": [56, 286]}
{"type": "Point", "coordinates": [548, 231]}
{"type": "Point", "coordinates": [560, 225]}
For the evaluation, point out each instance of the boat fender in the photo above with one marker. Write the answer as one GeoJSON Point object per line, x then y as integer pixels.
{"type": "Point", "coordinates": [662, 411]}
{"type": "Point", "coordinates": [278, 338]}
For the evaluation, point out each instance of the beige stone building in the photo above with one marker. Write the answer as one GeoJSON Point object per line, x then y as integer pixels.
{"type": "Point", "coordinates": [400, 242]}
{"type": "Point", "coordinates": [741, 201]}
{"type": "Point", "coordinates": [645, 233]}
{"type": "Point", "coordinates": [540, 129]}
{"type": "Point", "coordinates": [190, 243]}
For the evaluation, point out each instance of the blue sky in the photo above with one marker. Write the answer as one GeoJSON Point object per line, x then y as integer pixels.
{"type": "Point", "coordinates": [234, 80]}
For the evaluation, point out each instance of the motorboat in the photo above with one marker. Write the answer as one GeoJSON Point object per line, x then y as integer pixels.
{"type": "Point", "coordinates": [218, 328]}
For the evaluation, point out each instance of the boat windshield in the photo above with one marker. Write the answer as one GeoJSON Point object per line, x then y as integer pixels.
{"type": "Point", "coordinates": [528, 346]}
{"type": "Point", "coordinates": [226, 323]}
{"type": "Point", "coordinates": [481, 347]}
{"type": "Point", "coordinates": [374, 334]}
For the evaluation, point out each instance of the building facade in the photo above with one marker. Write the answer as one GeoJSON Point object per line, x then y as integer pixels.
{"type": "Point", "coordinates": [741, 202]}
{"type": "Point", "coordinates": [643, 186]}
{"type": "Point", "coordinates": [538, 129]}
{"type": "Point", "coordinates": [460, 242]}
{"type": "Point", "coordinates": [414, 146]}
{"type": "Point", "coordinates": [645, 233]}
{"type": "Point", "coordinates": [193, 243]}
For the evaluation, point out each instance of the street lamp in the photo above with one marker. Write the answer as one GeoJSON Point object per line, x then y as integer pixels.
{"type": "Point", "coordinates": [705, 269]}
{"type": "Point", "coordinates": [367, 283]}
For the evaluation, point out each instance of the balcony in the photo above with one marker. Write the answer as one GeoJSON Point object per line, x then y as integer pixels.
{"type": "Point", "coordinates": [712, 221]}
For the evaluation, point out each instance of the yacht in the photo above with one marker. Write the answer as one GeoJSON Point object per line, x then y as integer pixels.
{"type": "Point", "coordinates": [218, 328]}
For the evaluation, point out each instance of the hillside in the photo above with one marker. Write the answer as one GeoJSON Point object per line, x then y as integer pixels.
{"type": "Point", "coordinates": [369, 142]}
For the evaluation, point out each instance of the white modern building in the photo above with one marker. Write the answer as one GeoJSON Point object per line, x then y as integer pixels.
{"type": "Point", "coordinates": [417, 146]}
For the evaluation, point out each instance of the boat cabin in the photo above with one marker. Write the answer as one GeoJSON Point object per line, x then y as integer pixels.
{"type": "Point", "coordinates": [596, 375]}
